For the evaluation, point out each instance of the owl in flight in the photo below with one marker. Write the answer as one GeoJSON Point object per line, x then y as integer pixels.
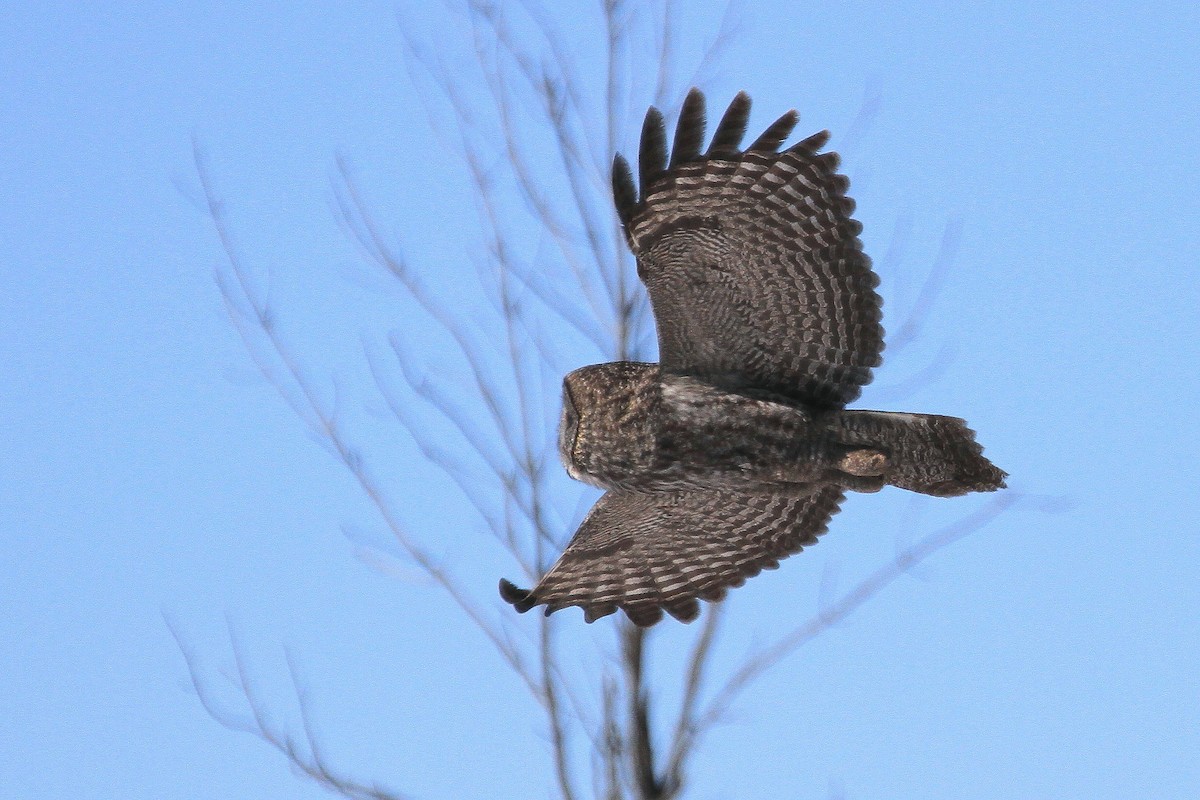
{"type": "Point", "coordinates": [735, 449]}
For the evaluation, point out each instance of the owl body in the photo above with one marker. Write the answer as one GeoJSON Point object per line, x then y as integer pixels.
{"type": "Point", "coordinates": [628, 426]}
{"type": "Point", "coordinates": [736, 449]}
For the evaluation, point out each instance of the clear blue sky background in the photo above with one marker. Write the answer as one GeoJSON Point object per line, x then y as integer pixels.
{"type": "Point", "coordinates": [144, 469]}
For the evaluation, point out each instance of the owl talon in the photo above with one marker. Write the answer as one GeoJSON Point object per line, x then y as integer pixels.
{"type": "Point", "coordinates": [864, 463]}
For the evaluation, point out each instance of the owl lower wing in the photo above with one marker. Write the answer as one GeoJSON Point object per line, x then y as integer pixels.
{"type": "Point", "coordinates": [649, 552]}
{"type": "Point", "coordinates": [753, 264]}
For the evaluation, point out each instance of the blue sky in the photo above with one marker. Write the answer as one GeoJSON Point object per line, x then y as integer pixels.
{"type": "Point", "coordinates": [147, 470]}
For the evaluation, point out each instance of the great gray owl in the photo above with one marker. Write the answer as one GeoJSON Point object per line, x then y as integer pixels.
{"type": "Point", "coordinates": [735, 450]}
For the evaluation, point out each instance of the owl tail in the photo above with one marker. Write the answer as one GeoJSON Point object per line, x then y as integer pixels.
{"type": "Point", "coordinates": [925, 453]}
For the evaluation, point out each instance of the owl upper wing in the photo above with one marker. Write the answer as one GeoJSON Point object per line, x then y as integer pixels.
{"type": "Point", "coordinates": [646, 552]}
{"type": "Point", "coordinates": [753, 264]}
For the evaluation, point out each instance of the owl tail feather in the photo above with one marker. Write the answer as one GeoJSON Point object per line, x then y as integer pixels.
{"type": "Point", "coordinates": [926, 453]}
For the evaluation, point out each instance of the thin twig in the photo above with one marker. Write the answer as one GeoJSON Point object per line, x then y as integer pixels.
{"type": "Point", "coordinates": [839, 609]}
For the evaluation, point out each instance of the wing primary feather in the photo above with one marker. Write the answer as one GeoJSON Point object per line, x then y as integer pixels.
{"type": "Point", "coordinates": [829, 162]}
{"type": "Point", "coordinates": [520, 599]}
{"type": "Point", "coordinates": [732, 127]}
{"type": "Point", "coordinates": [624, 192]}
{"type": "Point", "coordinates": [684, 610]}
{"type": "Point", "coordinates": [652, 157]}
{"type": "Point", "coordinates": [812, 144]}
{"type": "Point", "coordinates": [689, 131]}
{"type": "Point", "coordinates": [775, 135]}
{"type": "Point", "coordinates": [643, 616]}
{"type": "Point", "coordinates": [593, 612]}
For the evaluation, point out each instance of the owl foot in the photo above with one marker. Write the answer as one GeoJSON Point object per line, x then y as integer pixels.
{"type": "Point", "coordinates": [864, 463]}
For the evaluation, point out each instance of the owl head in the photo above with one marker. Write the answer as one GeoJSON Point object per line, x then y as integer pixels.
{"type": "Point", "coordinates": [607, 431]}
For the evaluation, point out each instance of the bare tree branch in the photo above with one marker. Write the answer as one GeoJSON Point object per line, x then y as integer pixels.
{"type": "Point", "coordinates": [847, 603]}
{"type": "Point", "coordinates": [535, 154]}
{"type": "Point", "coordinates": [684, 738]}
{"type": "Point", "coordinates": [307, 759]}
{"type": "Point", "coordinates": [935, 279]}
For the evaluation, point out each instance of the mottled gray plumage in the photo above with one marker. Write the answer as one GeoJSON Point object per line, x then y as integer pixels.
{"type": "Point", "coordinates": [735, 450]}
